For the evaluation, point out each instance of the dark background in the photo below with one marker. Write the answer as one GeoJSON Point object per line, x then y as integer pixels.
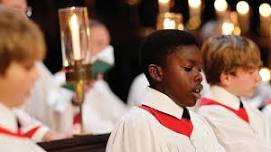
{"type": "Point", "coordinates": [126, 24]}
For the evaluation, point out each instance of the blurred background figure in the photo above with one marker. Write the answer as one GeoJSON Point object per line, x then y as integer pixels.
{"type": "Point", "coordinates": [101, 107]}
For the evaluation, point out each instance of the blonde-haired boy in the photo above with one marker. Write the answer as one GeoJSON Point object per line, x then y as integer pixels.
{"type": "Point", "coordinates": [231, 64]}
{"type": "Point", "coordinates": [21, 45]}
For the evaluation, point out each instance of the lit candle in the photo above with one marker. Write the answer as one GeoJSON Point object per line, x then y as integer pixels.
{"type": "Point", "coordinates": [169, 24]}
{"type": "Point", "coordinates": [227, 28]}
{"type": "Point", "coordinates": [221, 7]}
{"type": "Point", "coordinates": [265, 74]}
{"type": "Point", "coordinates": [169, 21]}
{"type": "Point", "coordinates": [195, 14]}
{"type": "Point", "coordinates": [163, 6]}
{"type": "Point", "coordinates": [265, 14]}
{"type": "Point", "coordinates": [75, 36]}
{"type": "Point", "coordinates": [242, 8]}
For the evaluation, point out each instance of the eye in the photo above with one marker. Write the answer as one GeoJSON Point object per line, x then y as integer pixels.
{"type": "Point", "coordinates": [187, 69]}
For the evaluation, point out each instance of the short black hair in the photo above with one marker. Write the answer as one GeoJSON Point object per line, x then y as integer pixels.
{"type": "Point", "coordinates": [157, 46]}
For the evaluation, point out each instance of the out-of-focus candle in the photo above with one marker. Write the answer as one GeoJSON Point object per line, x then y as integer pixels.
{"type": "Point", "coordinates": [195, 14]}
{"type": "Point", "coordinates": [227, 28]}
{"type": "Point", "coordinates": [75, 37]}
{"type": "Point", "coordinates": [163, 6]}
{"type": "Point", "coordinates": [242, 8]}
{"type": "Point", "coordinates": [265, 74]}
{"type": "Point", "coordinates": [169, 21]}
{"type": "Point", "coordinates": [221, 7]}
{"type": "Point", "coordinates": [169, 24]}
{"type": "Point", "coordinates": [265, 14]}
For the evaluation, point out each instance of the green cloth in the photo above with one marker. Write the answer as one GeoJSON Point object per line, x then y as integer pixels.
{"type": "Point", "coordinates": [99, 66]}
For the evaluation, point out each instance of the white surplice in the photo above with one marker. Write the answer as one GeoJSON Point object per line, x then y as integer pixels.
{"type": "Point", "coordinates": [49, 103]}
{"type": "Point", "coordinates": [140, 131]}
{"type": "Point", "coordinates": [11, 143]}
{"type": "Point", "coordinates": [235, 134]}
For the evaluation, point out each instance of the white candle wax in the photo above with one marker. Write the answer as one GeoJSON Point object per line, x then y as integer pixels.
{"type": "Point", "coordinates": [75, 36]}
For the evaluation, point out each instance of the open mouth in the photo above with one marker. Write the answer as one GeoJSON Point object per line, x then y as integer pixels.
{"type": "Point", "coordinates": [196, 91]}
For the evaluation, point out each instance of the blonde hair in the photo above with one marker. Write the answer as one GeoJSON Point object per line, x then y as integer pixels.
{"type": "Point", "coordinates": [227, 53]}
{"type": "Point", "coordinates": [20, 39]}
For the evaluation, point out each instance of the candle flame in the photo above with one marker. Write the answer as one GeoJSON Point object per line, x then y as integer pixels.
{"type": "Point", "coordinates": [194, 3]}
{"type": "Point", "coordinates": [221, 5]}
{"type": "Point", "coordinates": [265, 74]}
{"type": "Point", "coordinates": [163, 1]}
{"type": "Point", "coordinates": [265, 10]}
{"type": "Point", "coordinates": [242, 7]}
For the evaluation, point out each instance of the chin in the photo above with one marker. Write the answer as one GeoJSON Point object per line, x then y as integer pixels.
{"type": "Point", "coordinates": [191, 103]}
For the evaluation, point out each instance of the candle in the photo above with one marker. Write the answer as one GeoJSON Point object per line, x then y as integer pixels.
{"type": "Point", "coordinates": [227, 28]}
{"type": "Point", "coordinates": [169, 24]}
{"type": "Point", "coordinates": [163, 6]}
{"type": "Point", "coordinates": [265, 14]}
{"type": "Point", "coordinates": [170, 21]}
{"type": "Point", "coordinates": [195, 14]}
{"type": "Point", "coordinates": [75, 36]}
{"type": "Point", "coordinates": [242, 8]}
{"type": "Point", "coordinates": [221, 7]}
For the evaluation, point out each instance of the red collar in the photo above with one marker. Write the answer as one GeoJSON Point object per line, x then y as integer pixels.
{"type": "Point", "coordinates": [27, 134]}
{"type": "Point", "coordinates": [183, 126]}
{"type": "Point", "coordinates": [241, 113]}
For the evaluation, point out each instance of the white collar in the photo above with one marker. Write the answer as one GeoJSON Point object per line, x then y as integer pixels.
{"type": "Point", "coordinates": [161, 102]}
{"type": "Point", "coordinates": [224, 97]}
{"type": "Point", "coordinates": [8, 119]}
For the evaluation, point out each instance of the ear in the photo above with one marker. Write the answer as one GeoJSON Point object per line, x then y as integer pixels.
{"type": "Point", "coordinates": [225, 79]}
{"type": "Point", "coordinates": [155, 72]}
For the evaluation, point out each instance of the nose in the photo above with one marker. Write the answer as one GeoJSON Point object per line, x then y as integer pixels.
{"type": "Point", "coordinates": [198, 76]}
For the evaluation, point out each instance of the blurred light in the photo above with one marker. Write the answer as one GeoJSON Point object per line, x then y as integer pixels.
{"type": "Point", "coordinates": [164, 1]}
{"type": "Point", "coordinates": [180, 27]}
{"type": "Point", "coordinates": [265, 10]}
{"type": "Point", "coordinates": [237, 30]}
{"type": "Point", "coordinates": [169, 24]}
{"type": "Point", "coordinates": [227, 28]}
{"type": "Point", "coordinates": [194, 3]}
{"type": "Point", "coordinates": [221, 5]}
{"type": "Point", "coordinates": [242, 7]}
{"type": "Point", "coordinates": [265, 74]}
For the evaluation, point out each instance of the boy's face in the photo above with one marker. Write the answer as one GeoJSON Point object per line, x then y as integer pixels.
{"type": "Point", "coordinates": [16, 83]}
{"type": "Point", "coordinates": [181, 76]}
{"type": "Point", "coordinates": [243, 83]}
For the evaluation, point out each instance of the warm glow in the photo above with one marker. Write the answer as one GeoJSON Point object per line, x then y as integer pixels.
{"type": "Point", "coordinates": [169, 24]}
{"type": "Point", "coordinates": [227, 28]}
{"type": "Point", "coordinates": [194, 3]}
{"type": "Point", "coordinates": [180, 27]}
{"type": "Point", "coordinates": [163, 1]}
{"type": "Point", "coordinates": [265, 10]}
{"type": "Point", "coordinates": [74, 25]}
{"type": "Point", "coordinates": [265, 74]}
{"type": "Point", "coordinates": [221, 5]}
{"type": "Point", "coordinates": [237, 30]}
{"type": "Point", "coordinates": [242, 7]}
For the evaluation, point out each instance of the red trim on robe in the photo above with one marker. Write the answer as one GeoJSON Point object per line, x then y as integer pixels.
{"type": "Point", "coordinates": [20, 134]}
{"type": "Point", "coordinates": [77, 118]}
{"type": "Point", "coordinates": [268, 101]}
{"type": "Point", "coordinates": [182, 126]}
{"type": "Point", "coordinates": [241, 113]}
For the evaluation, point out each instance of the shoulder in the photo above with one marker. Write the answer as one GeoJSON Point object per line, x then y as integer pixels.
{"type": "Point", "coordinates": [199, 122]}
{"type": "Point", "coordinates": [135, 119]}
